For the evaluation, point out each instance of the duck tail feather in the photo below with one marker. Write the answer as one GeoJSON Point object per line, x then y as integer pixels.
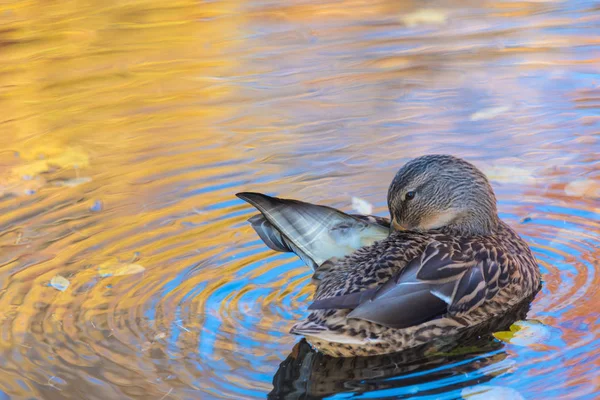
{"type": "Point", "coordinates": [273, 238]}
{"type": "Point", "coordinates": [269, 234]}
{"type": "Point", "coordinates": [309, 230]}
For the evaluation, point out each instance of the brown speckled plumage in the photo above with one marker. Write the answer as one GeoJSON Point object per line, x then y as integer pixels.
{"type": "Point", "coordinates": [508, 274]}
{"type": "Point", "coordinates": [419, 284]}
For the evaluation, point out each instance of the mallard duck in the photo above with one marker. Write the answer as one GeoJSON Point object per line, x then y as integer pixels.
{"type": "Point", "coordinates": [444, 263]}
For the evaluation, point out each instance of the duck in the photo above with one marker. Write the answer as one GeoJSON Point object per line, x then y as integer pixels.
{"type": "Point", "coordinates": [443, 262]}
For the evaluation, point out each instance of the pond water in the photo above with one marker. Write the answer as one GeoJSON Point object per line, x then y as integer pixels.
{"type": "Point", "coordinates": [127, 268]}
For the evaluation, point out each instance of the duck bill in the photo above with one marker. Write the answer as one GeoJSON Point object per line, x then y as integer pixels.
{"type": "Point", "coordinates": [397, 227]}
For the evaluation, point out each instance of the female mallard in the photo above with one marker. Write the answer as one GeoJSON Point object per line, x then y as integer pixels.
{"type": "Point", "coordinates": [448, 263]}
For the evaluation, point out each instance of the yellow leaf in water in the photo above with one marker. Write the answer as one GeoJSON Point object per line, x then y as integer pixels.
{"type": "Point", "coordinates": [505, 336]}
{"type": "Point", "coordinates": [119, 269]}
{"type": "Point", "coordinates": [524, 333]}
{"type": "Point", "coordinates": [60, 283]}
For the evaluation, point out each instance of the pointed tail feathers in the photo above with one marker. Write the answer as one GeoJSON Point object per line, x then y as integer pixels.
{"type": "Point", "coordinates": [276, 241]}
{"type": "Point", "coordinates": [315, 233]}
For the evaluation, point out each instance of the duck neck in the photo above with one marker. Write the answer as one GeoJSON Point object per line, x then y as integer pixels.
{"type": "Point", "coordinates": [473, 224]}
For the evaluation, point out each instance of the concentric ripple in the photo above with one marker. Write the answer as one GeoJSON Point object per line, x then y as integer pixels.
{"type": "Point", "coordinates": [127, 268]}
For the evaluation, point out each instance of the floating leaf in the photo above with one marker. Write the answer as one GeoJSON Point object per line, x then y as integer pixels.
{"type": "Point", "coordinates": [59, 283]}
{"type": "Point", "coordinates": [525, 333]}
{"type": "Point", "coordinates": [488, 113]}
{"type": "Point", "coordinates": [73, 182]}
{"type": "Point", "coordinates": [361, 206]}
{"type": "Point", "coordinates": [485, 392]}
{"type": "Point", "coordinates": [508, 174]}
{"type": "Point", "coordinates": [119, 269]}
{"type": "Point", "coordinates": [424, 16]}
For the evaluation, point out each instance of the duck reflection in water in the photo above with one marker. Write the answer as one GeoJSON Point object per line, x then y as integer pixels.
{"type": "Point", "coordinates": [309, 374]}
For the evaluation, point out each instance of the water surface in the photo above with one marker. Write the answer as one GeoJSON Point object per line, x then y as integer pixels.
{"type": "Point", "coordinates": [128, 126]}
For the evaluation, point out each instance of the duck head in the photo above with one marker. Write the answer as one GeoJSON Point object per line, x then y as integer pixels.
{"type": "Point", "coordinates": [442, 192]}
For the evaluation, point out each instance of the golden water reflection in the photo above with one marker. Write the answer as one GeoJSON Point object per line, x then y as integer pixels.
{"type": "Point", "coordinates": [126, 267]}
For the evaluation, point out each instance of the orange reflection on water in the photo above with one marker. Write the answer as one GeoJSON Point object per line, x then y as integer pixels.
{"type": "Point", "coordinates": [128, 126]}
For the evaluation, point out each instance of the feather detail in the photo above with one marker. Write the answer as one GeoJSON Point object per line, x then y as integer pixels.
{"type": "Point", "coordinates": [442, 280]}
{"type": "Point", "coordinates": [315, 233]}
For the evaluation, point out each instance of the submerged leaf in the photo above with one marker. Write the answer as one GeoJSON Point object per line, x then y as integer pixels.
{"type": "Point", "coordinates": [119, 269]}
{"type": "Point", "coordinates": [361, 206]}
{"type": "Point", "coordinates": [60, 283]}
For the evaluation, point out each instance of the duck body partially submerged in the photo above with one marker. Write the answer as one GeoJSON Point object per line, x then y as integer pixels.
{"type": "Point", "coordinates": [445, 261]}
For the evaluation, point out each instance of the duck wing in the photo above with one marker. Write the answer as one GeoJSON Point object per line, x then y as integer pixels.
{"type": "Point", "coordinates": [429, 287]}
{"type": "Point", "coordinates": [315, 233]}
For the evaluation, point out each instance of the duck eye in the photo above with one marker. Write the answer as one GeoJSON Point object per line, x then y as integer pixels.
{"type": "Point", "coordinates": [410, 195]}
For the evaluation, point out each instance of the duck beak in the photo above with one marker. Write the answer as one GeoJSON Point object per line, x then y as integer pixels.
{"type": "Point", "coordinates": [397, 227]}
